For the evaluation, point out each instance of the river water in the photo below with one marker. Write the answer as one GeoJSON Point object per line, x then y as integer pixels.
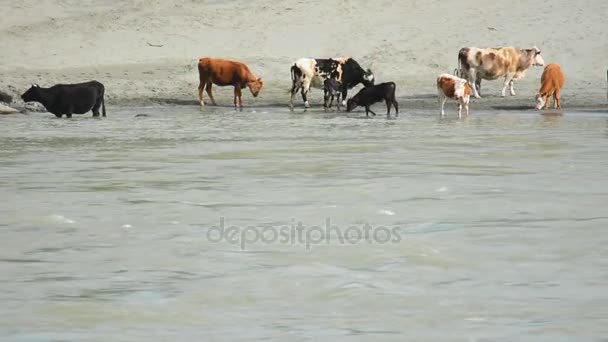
{"type": "Point", "coordinates": [178, 225]}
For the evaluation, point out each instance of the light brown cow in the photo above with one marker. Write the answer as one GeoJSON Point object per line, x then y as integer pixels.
{"type": "Point", "coordinates": [452, 87]}
{"type": "Point", "coordinates": [489, 64]}
{"type": "Point", "coordinates": [223, 72]}
{"type": "Point", "coordinates": [551, 82]}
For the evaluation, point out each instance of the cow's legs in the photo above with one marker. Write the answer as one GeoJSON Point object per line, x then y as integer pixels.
{"type": "Point", "coordinates": [344, 94]}
{"type": "Point", "coordinates": [238, 97]}
{"type": "Point", "coordinates": [95, 108]}
{"type": "Point", "coordinates": [370, 110]}
{"type": "Point", "coordinates": [210, 93]}
{"type": "Point", "coordinates": [305, 89]}
{"type": "Point", "coordinates": [459, 108]}
{"type": "Point", "coordinates": [295, 87]}
{"type": "Point", "coordinates": [58, 115]}
{"type": "Point", "coordinates": [556, 99]}
{"type": "Point", "coordinates": [331, 101]}
{"type": "Point", "coordinates": [511, 89]}
{"type": "Point", "coordinates": [442, 98]}
{"type": "Point", "coordinates": [547, 101]}
{"type": "Point", "coordinates": [478, 84]}
{"type": "Point", "coordinates": [471, 76]}
{"type": "Point", "coordinates": [396, 107]}
{"type": "Point", "coordinates": [507, 82]}
{"type": "Point", "coordinates": [200, 94]}
{"type": "Point", "coordinates": [389, 103]}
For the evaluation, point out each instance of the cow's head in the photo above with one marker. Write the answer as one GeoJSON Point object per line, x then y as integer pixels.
{"type": "Point", "coordinates": [537, 57]}
{"type": "Point", "coordinates": [540, 101]}
{"type": "Point", "coordinates": [255, 86]}
{"type": "Point", "coordinates": [32, 94]}
{"type": "Point", "coordinates": [352, 103]}
{"type": "Point", "coordinates": [368, 78]}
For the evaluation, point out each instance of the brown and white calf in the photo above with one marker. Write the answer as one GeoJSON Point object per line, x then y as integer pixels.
{"type": "Point", "coordinates": [452, 87]}
{"type": "Point", "coordinates": [551, 82]}
{"type": "Point", "coordinates": [489, 64]}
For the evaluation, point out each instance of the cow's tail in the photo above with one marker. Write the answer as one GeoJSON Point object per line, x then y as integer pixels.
{"type": "Point", "coordinates": [295, 74]}
{"type": "Point", "coordinates": [458, 70]}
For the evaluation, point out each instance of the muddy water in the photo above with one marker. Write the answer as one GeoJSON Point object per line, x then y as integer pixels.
{"type": "Point", "coordinates": [265, 224]}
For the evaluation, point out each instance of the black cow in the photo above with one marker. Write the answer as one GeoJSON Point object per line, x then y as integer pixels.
{"type": "Point", "coordinates": [331, 88]}
{"type": "Point", "coordinates": [372, 94]}
{"type": "Point", "coordinates": [307, 72]}
{"type": "Point", "coordinates": [68, 99]}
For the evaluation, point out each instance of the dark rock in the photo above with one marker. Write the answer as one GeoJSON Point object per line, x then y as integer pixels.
{"type": "Point", "coordinates": [4, 97]}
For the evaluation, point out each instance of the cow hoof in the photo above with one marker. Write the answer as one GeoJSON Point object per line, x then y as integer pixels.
{"type": "Point", "coordinates": [306, 104]}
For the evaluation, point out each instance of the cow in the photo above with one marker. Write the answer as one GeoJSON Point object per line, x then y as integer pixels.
{"type": "Point", "coordinates": [307, 72]}
{"type": "Point", "coordinates": [332, 89]}
{"type": "Point", "coordinates": [372, 94]}
{"type": "Point", "coordinates": [223, 72]}
{"type": "Point", "coordinates": [476, 64]}
{"type": "Point", "coordinates": [68, 99]}
{"type": "Point", "coordinates": [552, 81]}
{"type": "Point", "coordinates": [453, 87]}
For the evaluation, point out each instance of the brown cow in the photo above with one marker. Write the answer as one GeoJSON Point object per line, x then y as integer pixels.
{"type": "Point", "coordinates": [224, 73]}
{"type": "Point", "coordinates": [552, 81]}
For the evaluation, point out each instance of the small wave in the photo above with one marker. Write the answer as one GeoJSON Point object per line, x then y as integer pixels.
{"type": "Point", "coordinates": [386, 212]}
{"type": "Point", "coordinates": [61, 219]}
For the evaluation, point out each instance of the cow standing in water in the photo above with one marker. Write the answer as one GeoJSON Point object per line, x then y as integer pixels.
{"type": "Point", "coordinates": [489, 64]}
{"type": "Point", "coordinates": [452, 87]}
{"type": "Point", "coordinates": [372, 94]}
{"type": "Point", "coordinates": [223, 72]}
{"type": "Point", "coordinates": [311, 72]}
{"type": "Point", "coordinates": [68, 99]}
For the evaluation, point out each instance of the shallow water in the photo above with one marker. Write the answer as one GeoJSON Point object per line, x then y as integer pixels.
{"type": "Point", "coordinates": [487, 228]}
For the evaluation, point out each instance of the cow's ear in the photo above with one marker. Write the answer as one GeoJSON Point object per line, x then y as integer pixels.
{"type": "Point", "coordinates": [35, 85]}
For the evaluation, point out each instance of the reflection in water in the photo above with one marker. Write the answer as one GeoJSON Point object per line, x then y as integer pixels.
{"type": "Point", "coordinates": [488, 227]}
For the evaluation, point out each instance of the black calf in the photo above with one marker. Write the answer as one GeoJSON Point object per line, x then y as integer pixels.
{"type": "Point", "coordinates": [372, 94]}
{"type": "Point", "coordinates": [332, 88]}
{"type": "Point", "coordinates": [68, 99]}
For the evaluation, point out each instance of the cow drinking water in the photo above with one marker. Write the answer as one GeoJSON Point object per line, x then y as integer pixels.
{"type": "Point", "coordinates": [68, 99]}
{"type": "Point", "coordinates": [223, 72]}
{"type": "Point", "coordinates": [372, 94]}
{"type": "Point", "coordinates": [552, 81]}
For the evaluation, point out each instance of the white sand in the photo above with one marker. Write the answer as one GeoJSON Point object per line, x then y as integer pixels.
{"type": "Point", "coordinates": [408, 42]}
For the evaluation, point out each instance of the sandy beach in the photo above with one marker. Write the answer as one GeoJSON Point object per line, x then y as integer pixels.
{"type": "Point", "coordinates": [146, 51]}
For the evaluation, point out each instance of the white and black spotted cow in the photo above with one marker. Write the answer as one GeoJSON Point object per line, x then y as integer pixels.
{"type": "Point", "coordinates": [307, 72]}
